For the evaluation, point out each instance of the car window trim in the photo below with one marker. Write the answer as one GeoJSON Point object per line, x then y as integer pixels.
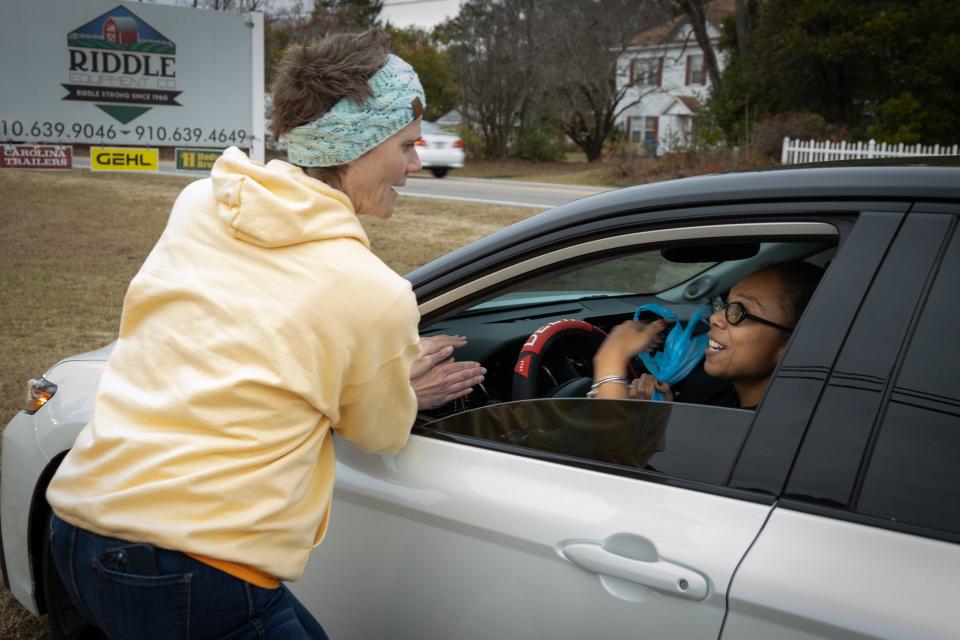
{"type": "Point", "coordinates": [636, 239]}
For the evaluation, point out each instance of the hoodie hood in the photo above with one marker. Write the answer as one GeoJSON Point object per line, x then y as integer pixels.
{"type": "Point", "coordinates": [278, 205]}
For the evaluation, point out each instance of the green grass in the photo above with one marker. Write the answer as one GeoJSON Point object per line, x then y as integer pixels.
{"type": "Point", "coordinates": [71, 241]}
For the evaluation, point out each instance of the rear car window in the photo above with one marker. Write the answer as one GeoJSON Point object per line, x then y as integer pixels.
{"type": "Point", "coordinates": [913, 476]}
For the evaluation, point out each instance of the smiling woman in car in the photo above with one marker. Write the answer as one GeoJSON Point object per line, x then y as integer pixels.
{"type": "Point", "coordinates": [748, 336]}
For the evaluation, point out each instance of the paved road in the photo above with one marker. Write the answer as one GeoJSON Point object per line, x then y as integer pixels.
{"type": "Point", "coordinates": [536, 195]}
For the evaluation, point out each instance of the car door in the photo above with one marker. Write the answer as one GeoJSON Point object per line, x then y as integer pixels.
{"type": "Point", "coordinates": [865, 542]}
{"type": "Point", "coordinates": [457, 536]}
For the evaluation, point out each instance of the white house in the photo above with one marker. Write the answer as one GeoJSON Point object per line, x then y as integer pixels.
{"type": "Point", "coordinates": [667, 80]}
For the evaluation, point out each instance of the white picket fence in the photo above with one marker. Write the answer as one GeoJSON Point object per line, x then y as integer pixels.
{"type": "Point", "coordinates": [796, 151]}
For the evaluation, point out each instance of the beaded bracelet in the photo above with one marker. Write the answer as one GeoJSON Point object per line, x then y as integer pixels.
{"type": "Point", "coordinates": [605, 379]}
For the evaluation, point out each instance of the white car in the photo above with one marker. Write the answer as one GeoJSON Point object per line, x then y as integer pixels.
{"type": "Point", "coordinates": [439, 151]}
{"type": "Point", "coordinates": [527, 511]}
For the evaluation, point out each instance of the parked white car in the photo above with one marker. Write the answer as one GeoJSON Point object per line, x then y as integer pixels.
{"type": "Point", "coordinates": [526, 511]}
{"type": "Point", "coordinates": [439, 151]}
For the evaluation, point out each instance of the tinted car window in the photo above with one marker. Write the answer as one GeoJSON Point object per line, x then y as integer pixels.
{"type": "Point", "coordinates": [913, 476]}
{"type": "Point", "coordinates": [685, 441]}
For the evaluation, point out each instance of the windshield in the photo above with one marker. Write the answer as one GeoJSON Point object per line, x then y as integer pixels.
{"type": "Point", "coordinates": [646, 273]}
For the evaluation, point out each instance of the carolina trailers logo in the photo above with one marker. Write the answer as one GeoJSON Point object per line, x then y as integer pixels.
{"type": "Point", "coordinates": [120, 63]}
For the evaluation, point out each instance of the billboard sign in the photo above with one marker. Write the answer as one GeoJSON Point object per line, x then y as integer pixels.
{"type": "Point", "coordinates": [36, 156]}
{"type": "Point", "coordinates": [124, 159]}
{"type": "Point", "coordinates": [103, 72]}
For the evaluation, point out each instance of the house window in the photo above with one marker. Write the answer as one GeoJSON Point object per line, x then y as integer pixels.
{"type": "Point", "coordinates": [644, 131]}
{"type": "Point", "coordinates": [696, 71]}
{"type": "Point", "coordinates": [647, 72]}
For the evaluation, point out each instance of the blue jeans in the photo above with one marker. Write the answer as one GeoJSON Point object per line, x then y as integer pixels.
{"type": "Point", "coordinates": [139, 591]}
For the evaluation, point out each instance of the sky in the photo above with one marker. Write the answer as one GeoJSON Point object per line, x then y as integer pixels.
{"type": "Point", "coordinates": [420, 13]}
{"type": "Point", "coordinates": [401, 13]}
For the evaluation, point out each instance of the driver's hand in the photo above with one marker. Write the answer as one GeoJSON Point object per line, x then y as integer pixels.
{"type": "Point", "coordinates": [626, 340]}
{"type": "Point", "coordinates": [642, 388]}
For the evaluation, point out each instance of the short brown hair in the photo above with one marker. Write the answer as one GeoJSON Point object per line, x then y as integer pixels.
{"type": "Point", "coordinates": [313, 77]}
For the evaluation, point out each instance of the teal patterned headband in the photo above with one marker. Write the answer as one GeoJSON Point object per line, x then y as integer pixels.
{"type": "Point", "coordinates": [350, 129]}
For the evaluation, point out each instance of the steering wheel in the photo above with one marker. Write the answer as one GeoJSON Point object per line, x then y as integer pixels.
{"type": "Point", "coordinates": [570, 370]}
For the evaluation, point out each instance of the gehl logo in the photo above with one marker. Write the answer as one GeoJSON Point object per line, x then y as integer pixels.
{"type": "Point", "coordinates": [122, 64]}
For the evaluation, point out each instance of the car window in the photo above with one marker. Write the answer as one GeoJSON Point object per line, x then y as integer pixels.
{"type": "Point", "coordinates": [684, 441]}
{"type": "Point", "coordinates": [913, 476]}
{"type": "Point", "coordinates": [697, 438]}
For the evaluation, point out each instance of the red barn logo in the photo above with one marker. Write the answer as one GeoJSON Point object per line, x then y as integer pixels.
{"type": "Point", "coordinates": [120, 30]}
{"type": "Point", "coordinates": [122, 64]}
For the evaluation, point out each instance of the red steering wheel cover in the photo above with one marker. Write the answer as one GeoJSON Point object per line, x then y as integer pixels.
{"type": "Point", "coordinates": [528, 361]}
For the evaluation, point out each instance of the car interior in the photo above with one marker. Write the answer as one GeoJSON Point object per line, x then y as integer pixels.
{"type": "Point", "coordinates": [602, 292]}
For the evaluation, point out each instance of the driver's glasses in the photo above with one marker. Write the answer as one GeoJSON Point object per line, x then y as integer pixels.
{"type": "Point", "coordinates": [736, 313]}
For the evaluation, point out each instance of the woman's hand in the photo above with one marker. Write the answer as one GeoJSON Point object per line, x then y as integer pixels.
{"type": "Point", "coordinates": [626, 339]}
{"type": "Point", "coordinates": [433, 351]}
{"type": "Point", "coordinates": [445, 382]}
{"type": "Point", "coordinates": [436, 378]}
{"type": "Point", "coordinates": [642, 388]}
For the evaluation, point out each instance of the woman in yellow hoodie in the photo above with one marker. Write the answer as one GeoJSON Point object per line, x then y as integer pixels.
{"type": "Point", "coordinates": [259, 324]}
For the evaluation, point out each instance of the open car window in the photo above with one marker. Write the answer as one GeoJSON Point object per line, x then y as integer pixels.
{"type": "Point", "coordinates": [537, 407]}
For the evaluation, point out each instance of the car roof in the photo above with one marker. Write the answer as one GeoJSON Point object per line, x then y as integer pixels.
{"type": "Point", "coordinates": [919, 180]}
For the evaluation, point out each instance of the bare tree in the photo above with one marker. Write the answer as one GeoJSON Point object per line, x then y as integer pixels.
{"type": "Point", "coordinates": [695, 11]}
{"type": "Point", "coordinates": [492, 56]}
{"type": "Point", "coordinates": [585, 39]}
{"type": "Point", "coordinates": [237, 6]}
{"type": "Point", "coordinates": [748, 11]}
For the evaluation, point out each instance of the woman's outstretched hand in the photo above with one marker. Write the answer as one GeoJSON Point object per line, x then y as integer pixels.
{"type": "Point", "coordinates": [437, 378]}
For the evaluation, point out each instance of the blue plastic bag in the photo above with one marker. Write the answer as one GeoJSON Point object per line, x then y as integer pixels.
{"type": "Point", "coordinates": [681, 351]}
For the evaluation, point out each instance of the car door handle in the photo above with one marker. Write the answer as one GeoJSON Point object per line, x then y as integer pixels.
{"type": "Point", "coordinates": [666, 577]}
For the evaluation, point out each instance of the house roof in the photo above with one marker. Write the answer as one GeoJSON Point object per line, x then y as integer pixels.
{"type": "Point", "coordinates": [692, 103]}
{"type": "Point", "coordinates": [667, 31]}
{"type": "Point", "coordinates": [688, 106]}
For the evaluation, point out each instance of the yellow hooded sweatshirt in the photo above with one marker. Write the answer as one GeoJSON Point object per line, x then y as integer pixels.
{"type": "Point", "coordinates": [259, 321]}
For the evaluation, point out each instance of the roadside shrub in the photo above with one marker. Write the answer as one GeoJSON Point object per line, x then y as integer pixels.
{"type": "Point", "coordinates": [628, 166]}
{"type": "Point", "coordinates": [542, 143]}
{"type": "Point", "coordinates": [768, 134]}
{"type": "Point", "coordinates": [472, 142]}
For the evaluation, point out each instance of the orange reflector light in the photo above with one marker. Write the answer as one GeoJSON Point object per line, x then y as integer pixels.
{"type": "Point", "coordinates": [421, 142]}
{"type": "Point", "coordinates": [38, 393]}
